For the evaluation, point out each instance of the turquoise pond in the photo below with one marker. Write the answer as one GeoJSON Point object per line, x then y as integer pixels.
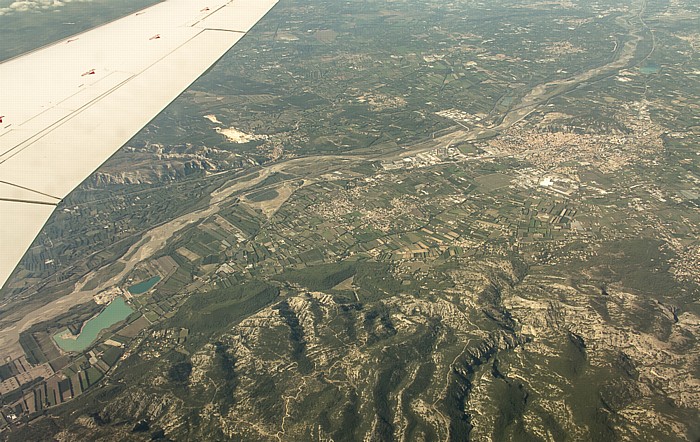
{"type": "Point", "coordinates": [116, 311]}
{"type": "Point", "coordinates": [144, 286]}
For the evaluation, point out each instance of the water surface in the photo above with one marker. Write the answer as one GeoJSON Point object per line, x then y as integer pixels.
{"type": "Point", "coordinates": [116, 311]}
{"type": "Point", "coordinates": [144, 286]}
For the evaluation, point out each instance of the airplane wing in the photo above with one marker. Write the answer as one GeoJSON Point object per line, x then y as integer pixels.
{"type": "Point", "coordinates": [67, 107]}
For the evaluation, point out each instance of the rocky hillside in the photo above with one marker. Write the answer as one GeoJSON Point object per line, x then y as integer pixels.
{"type": "Point", "coordinates": [500, 353]}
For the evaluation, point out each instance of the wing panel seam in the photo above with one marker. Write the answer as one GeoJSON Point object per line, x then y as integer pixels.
{"type": "Point", "coordinates": [30, 190]}
{"type": "Point", "coordinates": [48, 129]}
{"type": "Point", "coordinates": [224, 30]}
{"type": "Point", "coordinates": [43, 203]}
{"type": "Point", "coordinates": [36, 137]}
{"type": "Point", "coordinates": [193, 25]}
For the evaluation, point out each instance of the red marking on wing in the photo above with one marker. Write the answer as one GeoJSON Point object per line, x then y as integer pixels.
{"type": "Point", "coordinates": [1, 118]}
{"type": "Point", "coordinates": [205, 9]}
{"type": "Point", "coordinates": [155, 37]}
{"type": "Point", "coordinates": [90, 72]}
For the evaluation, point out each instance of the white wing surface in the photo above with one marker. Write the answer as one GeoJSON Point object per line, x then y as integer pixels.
{"type": "Point", "coordinates": [67, 107]}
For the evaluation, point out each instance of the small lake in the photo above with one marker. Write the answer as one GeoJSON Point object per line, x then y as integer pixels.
{"type": "Point", "coordinates": [144, 286]}
{"type": "Point", "coordinates": [116, 311]}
